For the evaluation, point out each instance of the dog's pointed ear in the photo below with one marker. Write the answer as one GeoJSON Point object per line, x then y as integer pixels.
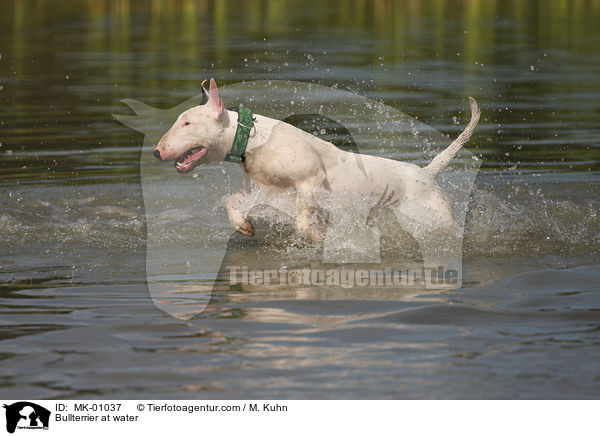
{"type": "Point", "coordinates": [214, 102]}
{"type": "Point", "coordinates": [204, 92]}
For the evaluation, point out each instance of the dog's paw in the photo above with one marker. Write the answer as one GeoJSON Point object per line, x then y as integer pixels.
{"type": "Point", "coordinates": [312, 234]}
{"type": "Point", "coordinates": [309, 229]}
{"type": "Point", "coordinates": [315, 236]}
{"type": "Point", "coordinates": [245, 228]}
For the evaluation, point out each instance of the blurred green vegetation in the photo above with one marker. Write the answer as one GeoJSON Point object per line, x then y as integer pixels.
{"type": "Point", "coordinates": [563, 24]}
{"type": "Point", "coordinates": [66, 65]}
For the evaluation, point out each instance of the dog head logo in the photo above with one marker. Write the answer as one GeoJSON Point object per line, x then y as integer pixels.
{"type": "Point", "coordinates": [189, 219]}
{"type": "Point", "coordinates": [26, 415]}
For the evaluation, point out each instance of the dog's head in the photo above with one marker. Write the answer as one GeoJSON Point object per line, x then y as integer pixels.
{"type": "Point", "coordinates": [198, 135]}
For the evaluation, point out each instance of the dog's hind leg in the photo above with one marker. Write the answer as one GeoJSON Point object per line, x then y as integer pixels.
{"type": "Point", "coordinates": [442, 260]}
{"type": "Point", "coordinates": [439, 241]}
{"type": "Point", "coordinates": [308, 218]}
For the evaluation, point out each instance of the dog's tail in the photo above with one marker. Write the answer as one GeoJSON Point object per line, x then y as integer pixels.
{"type": "Point", "coordinates": [442, 160]}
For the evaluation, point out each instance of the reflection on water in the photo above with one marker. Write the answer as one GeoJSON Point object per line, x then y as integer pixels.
{"type": "Point", "coordinates": [76, 316]}
{"type": "Point", "coordinates": [108, 341]}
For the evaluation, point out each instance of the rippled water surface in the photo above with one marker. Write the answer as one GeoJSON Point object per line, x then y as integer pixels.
{"type": "Point", "coordinates": [76, 316]}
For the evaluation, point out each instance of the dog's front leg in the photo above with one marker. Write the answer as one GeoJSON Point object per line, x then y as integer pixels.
{"type": "Point", "coordinates": [237, 218]}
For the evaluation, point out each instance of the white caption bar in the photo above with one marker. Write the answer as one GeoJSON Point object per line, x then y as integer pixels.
{"type": "Point", "coordinates": [23, 417]}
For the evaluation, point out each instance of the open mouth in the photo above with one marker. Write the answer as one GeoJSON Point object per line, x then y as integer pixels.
{"type": "Point", "coordinates": [190, 159]}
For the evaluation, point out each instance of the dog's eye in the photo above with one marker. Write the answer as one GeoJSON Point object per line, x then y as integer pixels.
{"type": "Point", "coordinates": [187, 123]}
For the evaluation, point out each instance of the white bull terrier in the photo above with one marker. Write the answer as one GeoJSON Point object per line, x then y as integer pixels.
{"type": "Point", "coordinates": [280, 158]}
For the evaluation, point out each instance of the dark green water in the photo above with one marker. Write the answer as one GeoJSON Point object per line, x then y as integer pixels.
{"type": "Point", "coordinates": [76, 316]}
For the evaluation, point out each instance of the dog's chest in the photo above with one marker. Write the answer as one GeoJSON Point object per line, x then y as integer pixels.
{"type": "Point", "coordinates": [266, 173]}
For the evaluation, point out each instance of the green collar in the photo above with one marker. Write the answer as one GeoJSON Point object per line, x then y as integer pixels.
{"type": "Point", "coordinates": [242, 134]}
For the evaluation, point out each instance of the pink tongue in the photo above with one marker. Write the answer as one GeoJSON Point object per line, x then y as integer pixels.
{"type": "Point", "coordinates": [195, 156]}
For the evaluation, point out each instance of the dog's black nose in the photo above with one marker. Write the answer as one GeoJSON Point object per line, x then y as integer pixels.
{"type": "Point", "coordinates": [157, 154]}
